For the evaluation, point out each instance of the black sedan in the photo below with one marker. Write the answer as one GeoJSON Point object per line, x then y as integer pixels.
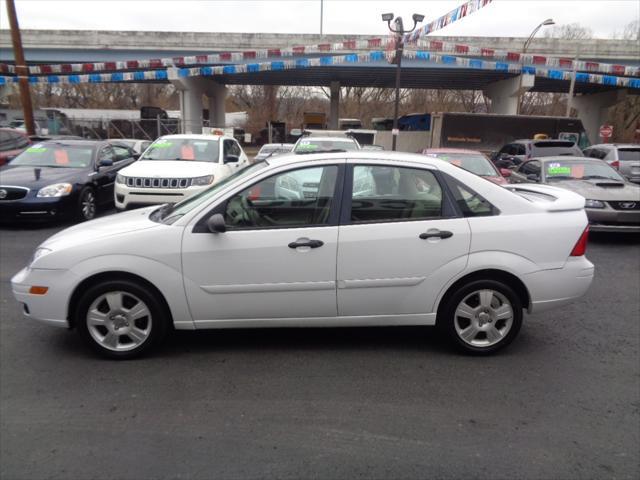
{"type": "Point", "coordinates": [61, 179]}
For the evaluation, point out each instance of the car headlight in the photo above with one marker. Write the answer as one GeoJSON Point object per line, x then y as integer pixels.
{"type": "Point", "coordinates": [55, 190]}
{"type": "Point", "coordinates": [593, 204]}
{"type": "Point", "coordinates": [121, 178]}
{"type": "Point", "coordinates": [40, 251]}
{"type": "Point", "coordinates": [199, 181]}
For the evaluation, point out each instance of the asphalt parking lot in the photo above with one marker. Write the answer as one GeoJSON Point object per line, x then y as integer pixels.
{"type": "Point", "coordinates": [562, 402]}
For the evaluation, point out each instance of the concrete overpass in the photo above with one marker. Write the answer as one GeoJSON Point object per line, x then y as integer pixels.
{"type": "Point", "coordinates": [592, 102]}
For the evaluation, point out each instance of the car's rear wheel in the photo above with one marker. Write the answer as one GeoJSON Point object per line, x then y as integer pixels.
{"type": "Point", "coordinates": [87, 204]}
{"type": "Point", "coordinates": [121, 319]}
{"type": "Point", "coordinates": [482, 317]}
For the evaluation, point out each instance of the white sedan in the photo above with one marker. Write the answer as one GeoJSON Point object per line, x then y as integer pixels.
{"type": "Point", "coordinates": [342, 239]}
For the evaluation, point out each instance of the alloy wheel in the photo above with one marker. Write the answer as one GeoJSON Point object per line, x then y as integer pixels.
{"type": "Point", "coordinates": [483, 318]}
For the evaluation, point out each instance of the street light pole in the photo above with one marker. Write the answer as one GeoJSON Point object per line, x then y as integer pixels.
{"type": "Point", "coordinates": [548, 21]}
{"type": "Point", "coordinates": [399, 39]}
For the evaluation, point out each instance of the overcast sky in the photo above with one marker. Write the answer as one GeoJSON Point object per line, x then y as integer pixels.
{"type": "Point", "coordinates": [501, 18]}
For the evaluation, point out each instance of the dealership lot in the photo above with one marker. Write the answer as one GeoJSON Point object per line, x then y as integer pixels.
{"type": "Point", "coordinates": [561, 402]}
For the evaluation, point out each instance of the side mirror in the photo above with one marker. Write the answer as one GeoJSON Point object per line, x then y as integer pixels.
{"type": "Point", "coordinates": [231, 159]}
{"type": "Point", "coordinates": [106, 162]}
{"type": "Point", "coordinates": [135, 156]}
{"type": "Point", "coordinates": [216, 224]}
{"type": "Point", "coordinates": [533, 177]}
{"type": "Point", "coordinates": [505, 172]}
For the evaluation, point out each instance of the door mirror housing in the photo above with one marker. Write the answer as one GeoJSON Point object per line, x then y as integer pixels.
{"type": "Point", "coordinates": [106, 162]}
{"type": "Point", "coordinates": [533, 177]}
{"type": "Point", "coordinates": [231, 159]}
{"type": "Point", "coordinates": [216, 224]}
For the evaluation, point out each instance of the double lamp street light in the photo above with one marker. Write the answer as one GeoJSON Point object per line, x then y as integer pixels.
{"type": "Point", "coordinates": [399, 32]}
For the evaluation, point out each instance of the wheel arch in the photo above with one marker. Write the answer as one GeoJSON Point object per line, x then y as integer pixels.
{"type": "Point", "coordinates": [487, 274]}
{"type": "Point", "coordinates": [111, 276]}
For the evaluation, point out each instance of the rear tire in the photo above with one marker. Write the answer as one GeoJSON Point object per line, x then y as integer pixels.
{"type": "Point", "coordinates": [121, 319]}
{"type": "Point", "coordinates": [481, 317]}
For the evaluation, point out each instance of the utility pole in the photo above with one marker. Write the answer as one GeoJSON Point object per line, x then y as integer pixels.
{"type": "Point", "coordinates": [21, 69]}
{"type": "Point", "coordinates": [572, 86]}
{"type": "Point", "coordinates": [321, 14]}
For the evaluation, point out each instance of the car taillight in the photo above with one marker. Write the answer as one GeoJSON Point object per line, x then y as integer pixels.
{"type": "Point", "coordinates": [615, 164]}
{"type": "Point", "coordinates": [581, 245]}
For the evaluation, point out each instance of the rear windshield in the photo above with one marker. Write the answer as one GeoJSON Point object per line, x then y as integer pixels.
{"type": "Point", "coordinates": [55, 155]}
{"type": "Point", "coordinates": [199, 150]}
{"type": "Point", "coordinates": [474, 163]}
{"type": "Point", "coordinates": [629, 153]}
{"type": "Point", "coordinates": [556, 148]}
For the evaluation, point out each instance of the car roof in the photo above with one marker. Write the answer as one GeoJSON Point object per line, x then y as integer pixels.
{"type": "Point", "coordinates": [451, 150]}
{"type": "Point", "coordinates": [277, 145]}
{"type": "Point", "coordinates": [63, 141]}
{"type": "Point", "coordinates": [564, 158]}
{"type": "Point", "coordinates": [292, 158]}
{"type": "Point", "coordinates": [545, 140]}
{"type": "Point", "coordinates": [196, 136]}
{"type": "Point", "coordinates": [615, 145]}
{"type": "Point", "coordinates": [328, 138]}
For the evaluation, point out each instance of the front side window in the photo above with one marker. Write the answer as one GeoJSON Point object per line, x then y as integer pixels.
{"type": "Point", "coordinates": [384, 194]}
{"type": "Point", "coordinates": [296, 198]}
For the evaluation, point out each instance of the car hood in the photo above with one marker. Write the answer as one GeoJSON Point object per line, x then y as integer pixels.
{"type": "Point", "coordinates": [170, 169]}
{"type": "Point", "coordinates": [601, 189]}
{"type": "Point", "coordinates": [37, 177]}
{"type": "Point", "coordinates": [111, 225]}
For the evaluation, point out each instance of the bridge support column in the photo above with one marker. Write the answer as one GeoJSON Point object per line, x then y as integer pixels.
{"type": "Point", "coordinates": [192, 90]}
{"type": "Point", "coordinates": [5, 90]}
{"type": "Point", "coordinates": [593, 110]}
{"type": "Point", "coordinates": [334, 106]}
{"type": "Point", "coordinates": [505, 94]}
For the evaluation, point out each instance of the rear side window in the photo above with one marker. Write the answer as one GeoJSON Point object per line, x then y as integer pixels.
{"type": "Point", "coordinates": [470, 203]}
{"type": "Point", "coordinates": [386, 194]}
{"type": "Point", "coordinates": [629, 154]}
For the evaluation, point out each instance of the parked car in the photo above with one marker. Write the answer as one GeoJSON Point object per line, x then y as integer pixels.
{"type": "Point", "coordinates": [177, 166]}
{"type": "Point", "coordinates": [623, 157]}
{"type": "Point", "coordinates": [612, 204]}
{"type": "Point", "coordinates": [431, 244]}
{"type": "Point", "coordinates": [270, 149]}
{"type": "Point", "coordinates": [12, 143]}
{"type": "Point", "coordinates": [472, 161]}
{"type": "Point", "coordinates": [318, 144]}
{"type": "Point", "coordinates": [513, 154]}
{"type": "Point", "coordinates": [60, 179]}
{"type": "Point", "coordinates": [137, 145]}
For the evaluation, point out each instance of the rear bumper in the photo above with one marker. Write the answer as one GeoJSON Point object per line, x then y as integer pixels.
{"type": "Point", "coordinates": [555, 288]}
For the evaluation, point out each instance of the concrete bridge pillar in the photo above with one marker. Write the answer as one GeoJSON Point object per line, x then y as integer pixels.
{"type": "Point", "coordinates": [593, 110]}
{"type": "Point", "coordinates": [334, 106]}
{"type": "Point", "coordinates": [505, 94]}
{"type": "Point", "coordinates": [192, 90]}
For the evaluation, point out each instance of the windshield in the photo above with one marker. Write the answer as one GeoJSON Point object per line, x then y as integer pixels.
{"type": "Point", "coordinates": [55, 155]}
{"type": "Point", "coordinates": [555, 171]}
{"type": "Point", "coordinates": [311, 145]}
{"type": "Point", "coordinates": [199, 150]}
{"type": "Point", "coordinates": [170, 213]}
{"type": "Point", "coordinates": [472, 162]}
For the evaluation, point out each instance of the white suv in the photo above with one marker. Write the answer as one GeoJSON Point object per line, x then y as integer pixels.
{"type": "Point", "coordinates": [175, 167]}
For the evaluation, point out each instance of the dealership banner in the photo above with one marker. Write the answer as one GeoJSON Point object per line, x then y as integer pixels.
{"type": "Point", "coordinates": [325, 61]}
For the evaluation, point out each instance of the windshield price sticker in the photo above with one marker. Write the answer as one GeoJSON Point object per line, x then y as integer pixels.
{"type": "Point", "coordinates": [36, 149]}
{"type": "Point", "coordinates": [557, 169]}
{"type": "Point", "coordinates": [161, 144]}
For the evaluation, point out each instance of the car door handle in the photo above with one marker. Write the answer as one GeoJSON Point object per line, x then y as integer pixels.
{"type": "Point", "coordinates": [306, 243]}
{"type": "Point", "coordinates": [439, 234]}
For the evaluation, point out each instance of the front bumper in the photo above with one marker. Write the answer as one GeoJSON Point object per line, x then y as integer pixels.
{"type": "Point", "coordinates": [132, 197]}
{"type": "Point", "coordinates": [50, 308]}
{"type": "Point", "coordinates": [554, 288]}
{"type": "Point", "coordinates": [609, 220]}
{"type": "Point", "coordinates": [38, 208]}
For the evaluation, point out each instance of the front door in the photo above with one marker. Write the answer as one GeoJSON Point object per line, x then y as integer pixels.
{"type": "Point", "coordinates": [277, 259]}
{"type": "Point", "coordinates": [398, 244]}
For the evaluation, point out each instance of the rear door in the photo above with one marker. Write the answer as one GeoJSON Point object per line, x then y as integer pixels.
{"type": "Point", "coordinates": [400, 242]}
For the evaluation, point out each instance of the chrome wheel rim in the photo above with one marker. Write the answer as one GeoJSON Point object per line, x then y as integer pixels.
{"type": "Point", "coordinates": [119, 321]}
{"type": "Point", "coordinates": [88, 205]}
{"type": "Point", "coordinates": [483, 318]}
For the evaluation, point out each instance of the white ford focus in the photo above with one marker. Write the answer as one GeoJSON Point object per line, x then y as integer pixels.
{"type": "Point", "coordinates": [340, 239]}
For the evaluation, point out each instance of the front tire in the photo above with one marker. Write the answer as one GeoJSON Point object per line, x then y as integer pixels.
{"type": "Point", "coordinates": [482, 317]}
{"type": "Point", "coordinates": [121, 319]}
{"type": "Point", "coordinates": [87, 204]}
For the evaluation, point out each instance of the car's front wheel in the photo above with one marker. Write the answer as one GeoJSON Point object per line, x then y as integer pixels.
{"type": "Point", "coordinates": [482, 316]}
{"type": "Point", "coordinates": [87, 204]}
{"type": "Point", "coordinates": [121, 318]}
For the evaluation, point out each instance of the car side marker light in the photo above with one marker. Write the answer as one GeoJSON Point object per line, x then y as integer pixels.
{"type": "Point", "coordinates": [38, 290]}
